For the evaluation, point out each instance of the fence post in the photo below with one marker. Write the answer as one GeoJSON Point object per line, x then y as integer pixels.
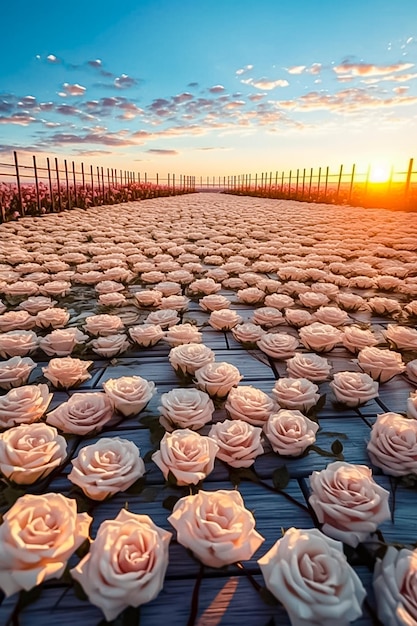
{"type": "Point", "coordinates": [351, 181]}
{"type": "Point", "coordinates": [289, 184]}
{"type": "Point", "coordinates": [310, 183]}
{"type": "Point", "coordinates": [339, 182]}
{"type": "Point", "coordinates": [408, 179]}
{"type": "Point", "coordinates": [92, 185]}
{"type": "Point", "coordinates": [51, 191]}
{"type": "Point", "coordinates": [318, 184]}
{"type": "Point", "coordinates": [102, 185]}
{"type": "Point", "coordinates": [75, 183]}
{"type": "Point", "coordinates": [368, 171]}
{"type": "Point", "coordinates": [304, 183]}
{"type": "Point", "coordinates": [282, 182]}
{"type": "Point", "coordinates": [326, 182]}
{"type": "Point", "coordinates": [83, 175]}
{"type": "Point", "coordinates": [35, 170]}
{"type": "Point", "coordinates": [67, 184]}
{"type": "Point", "coordinates": [19, 190]}
{"type": "Point", "coordinates": [296, 183]}
{"type": "Point", "coordinates": [58, 184]}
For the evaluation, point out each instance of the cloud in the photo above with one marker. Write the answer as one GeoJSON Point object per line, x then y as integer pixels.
{"type": "Point", "coordinates": [396, 78]}
{"type": "Point", "coordinates": [21, 119]}
{"type": "Point", "coordinates": [296, 69]}
{"type": "Point", "coordinates": [255, 97]}
{"type": "Point", "coordinates": [51, 58]}
{"type": "Point", "coordinates": [162, 152]}
{"type": "Point", "coordinates": [109, 139]}
{"type": "Point", "coordinates": [265, 83]}
{"type": "Point", "coordinates": [217, 89]}
{"type": "Point", "coordinates": [244, 70]}
{"type": "Point", "coordinates": [73, 90]}
{"type": "Point", "coordinates": [183, 97]}
{"type": "Point", "coordinates": [369, 69]}
{"type": "Point", "coordinates": [95, 63]}
{"type": "Point", "coordinates": [124, 81]}
{"type": "Point", "coordinates": [315, 68]}
{"type": "Point", "coordinates": [401, 90]}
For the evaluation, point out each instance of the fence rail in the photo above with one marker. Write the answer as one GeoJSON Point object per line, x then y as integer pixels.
{"type": "Point", "coordinates": [344, 186]}
{"type": "Point", "coordinates": [32, 189]}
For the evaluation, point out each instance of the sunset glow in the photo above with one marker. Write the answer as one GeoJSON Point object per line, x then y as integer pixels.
{"type": "Point", "coordinates": [379, 173]}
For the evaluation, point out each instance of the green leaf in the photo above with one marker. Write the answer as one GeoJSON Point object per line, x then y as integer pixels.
{"type": "Point", "coordinates": [29, 597]}
{"type": "Point", "coordinates": [337, 447]}
{"type": "Point", "coordinates": [148, 456]}
{"type": "Point", "coordinates": [137, 487]}
{"type": "Point", "coordinates": [83, 549]}
{"type": "Point", "coordinates": [171, 480]}
{"type": "Point", "coordinates": [170, 502]}
{"type": "Point", "coordinates": [11, 494]}
{"type": "Point", "coordinates": [149, 494]}
{"type": "Point", "coordinates": [409, 481]}
{"type": "Point", "coordinates": [129, 617]}
{"type": "Point", "coordinates": [237, 474]}
{"type": "Point", "coordinates": [79, 591]}
{"type": "Point", "coordinates": [281, 477]}
{"type": "Point", "coordinates": [268, 597]}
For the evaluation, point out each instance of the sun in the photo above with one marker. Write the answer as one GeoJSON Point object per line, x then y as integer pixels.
{"type": "Point", "coordinates": [379, 173]}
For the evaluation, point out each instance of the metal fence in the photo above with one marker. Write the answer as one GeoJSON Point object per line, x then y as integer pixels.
{"type": "Point", "coordinates": [33, 189]}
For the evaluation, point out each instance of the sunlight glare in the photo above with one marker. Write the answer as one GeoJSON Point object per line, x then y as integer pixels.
{"type": "Point", "coordinates": [379, 173]}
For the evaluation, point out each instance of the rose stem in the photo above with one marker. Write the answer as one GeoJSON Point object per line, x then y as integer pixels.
{"type": "Point", "coordinates": [194, 599]}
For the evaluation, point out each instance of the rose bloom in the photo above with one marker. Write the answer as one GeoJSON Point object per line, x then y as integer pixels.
{"type": "Point", "coordinates": [217, 379]}
{"type": "Point", "coordinates": [190, 357]}
{"type": "Point", "coordinates": [18, 343]}
{"type": "Point", "coordinates": [411, 308]}
{"type": "Point", "coordinates": [395, 587]}
{"type": "Point", "coordinates": [112, 299]}
{"type": "Point", "coordinates": [268, 317]}
{"type": "Point", "coordinates": [111, 345]}
{"type": "Point", "coordinates": [21, 288]}
{"type": "Point", "coordinates": [146, 335]}
{"type": "Point", "coordinates": [290, 432]}
{"type": "Point", "coordinates": [298, 317]}
{"type": "Point", "coordinates": [393, 444]}
{"type": "Point", "coordinates": [152, 277]}
{"type": "Point", "coordinates": [249, 404]}
{"type": "Point", "coordinates": [411, 370]}
{"type": "Point", "coordinates": [381, 365]}
{"type": "Point", "coordinates": [348, 502]}
{"type": "Point", "coordinates": [412, 405]}
{"type": "Point", "coordinates": [355, 338]}
{"type": "Point", "coordinates": [126, 563]}
{"type": "Point", "coordinates": [181, 276]}
{"type": "Point", "coordinates": [62, 341]}
{"type": "Point", "coordinates": [187, 455]}
{"type": "Point", "coordinates": [66, 372]}
{"type": "Point", "coordinates": [216, 527]}
{"type": "Point", "coordinates": [251, 295]}
{"type": "Point", "coordinates": [214, 302]}
{"type": "Point", "coordinates": [82, 414]}
{"type": "Point", "coordinates": [24, 405]}
{"type": "Point", "coordinates": [312, 299]}
{"type": "Point", "coordinates": [110, 465]}
{"type": "Point", "coordinates": [401, 337]}
{"type": "Point", "coordinates": [239, 442]}
{"type": "Point", "coordinates": [109, 286]}
{"type": "Point", "coordinates": [149, 298]}
{"type": "Point", "coordinates": [56, 288]}
{"type": "Point", "coordinates": [311, 366]}
{"type": "Point", "coordinates": [205, 286]}
{"type": "Point", "coordinates": [279, 301]}
{"type": "Point", "coordinates": [384, 306]}
{"type": "Point", "coordinates": [331, 315]}
{"type": "Point", "coordinates": [224, 319]}
{"type": "Point", "coordinates": [30, 451]}
{"type": "Point", "coordinates": [38, 535]}
{"type": "Point", "coordinates": [129, 394]}
{"type": "Point", "coordinates": [295, 393]}
{"type": "Point", "coordinates": [309, 574]}
{"type": "Point", "coordinates": [351, 301]}
{"type": "Point", "coordinates": [165, 318]}
{"type": "Point", "coordinates": [34, 304]}
{"type": "Point", "coordinates": [15, 371]}
{"type": "Point", "coordinates": [176, 303]}
{"type": "Point", "coordinates": [247, 332]}
{"type": "Point", "coordinates": [181, 334]}
{"type": "Point", "coordinates": [169, 288]}
{"type": "Point", "coordinates": [278, 345]}
{"type": "Point", "coordinates": [16, 320]}
{"type": "Point", "coordinates": [53, 317]}
{"type": "Point", "coordinates": [353, 388]}
{"type": "Point", "coordinates": [103, 324]}
{"type": "Point", "coordinates": [320, 337]}
{"type": "Point", "coordinates": [185, 408]}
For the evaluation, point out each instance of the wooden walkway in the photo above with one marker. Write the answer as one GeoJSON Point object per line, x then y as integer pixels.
{"type": "Point", "coordinates": [226, 596]}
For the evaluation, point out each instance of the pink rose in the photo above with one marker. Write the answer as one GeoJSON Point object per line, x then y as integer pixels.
{"type": "Point", "coordinates": [165, 318]}
{"type": "Point", "coordinates": [251, 295]}
{"type": "Point", "coordinates": [15, 371]}
{"type": "Point", "coordinates": [38, 535]}
{"type": "Point", "coordinates": [190, 357]}
{"type": "Point", "coordinates": [214, 302]}
{"type": "Point", "coordinates": [126, 564]}
{"type": "Point", "coordinates": [353, 388]}
{"type": "Point", "coordinates": [313, 300]}
{"type": "Point", "coordinates": [103, 324]}
{"type": "Point", "coordinates": [30, 451]}
{"type": "Point", "coordinates": [62, 341]}
{"type": "Point", "coordinates": [355, 338]}
{"type": "Point", "coordinates": [331, 315]}
{"type": "Point", "coordinates": [279, 301]}
{"type": "Point", "coordinates": [224, 319]}
{"type": "Point", "coordinates": [169, 288]}
{"type": "Point", "coordinates": [24, 405]}
{"type": "Point", "coordinates": [320, 337]}
{"type": "Point", "coordinates": [182, 334]}
{"type": "Point", "coordinates": [268, 317]}
{"type": "Point", "coordinates": [67, 372]}
{"type": "Point", "coordinates": [348, 502]}
{"type": "Point", "coordinates": [16, 320]}
{"type": "Point", "coordinates": [290, 432]}
{"type": "Point", "coordinates": [175, 303]}
{"type": "Point", "coordinates": [112, 299]}
{"type": "Point", "coordinates": [109, 286]}
{"type": "Point", "coordinates": [148, 298]}
{"type": "Point", "coordinates": [381, 365]}
{"type": "Point", "coordinates": [56, 288]}
{"type": "Point", "coordinates": [247, 332]}
{"type": "Point", "coordinates": [295, 393]}
{"type": "Point", "coordinates": [310, 366]}
{"type": "Point", "coordinates": [412, 405]}
{"type": "Point", "coordinates": [54, 317]}
{"type": "Point", "coordinates": [185, 408]}
{"type": "Point", "coordinates": [111, 345]}
{"type": "Point", "coordinates": [34, 304]}
{"type": "Point", "coordinates": [216, 527]}
{"type": "Point", "coordinates": [393, 444]}
{"type": "Point", "coordinates": [384, 306]}
{"type": "Point", "coordinates": [129, 394]}
{"type": "Point", "coordinates": [278, 345]}
{"type": "Point", "coordinates": [239, 442]}
{"type": "Point", "coordinates": [401, 337]}
{"type": "Point", "coordinates": [110, 465]}
{"type": "Point", "coordinates": [298, 317]}
{"type": "Point", "coordinates": [411, 370]}
{"type": "Point", "coordinates": [351, 301]}
{"type": "Point", "coordinates": [217, 379]}
{"type": "Point", "coordinates": [22, 288]}
{"type": "Point", "coordinates": [204, 286]}
{"type": "Point", "coordinates": [18, 343]}
{"type": "Point", "coordinates": [146, 335]}
{"type": "Point", "coordinates": [309, 574]}
{"type": "Point", "coordinates": [187, 455]}
{"type": "Point", "coordinates": [82, 414]}
{"type": "Point", "coordinates": [395, 587]}
{"type": "Point", "coordinates": [249, 404]}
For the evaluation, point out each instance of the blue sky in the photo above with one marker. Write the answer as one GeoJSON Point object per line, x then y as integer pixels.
{"type": "Point", "coordinates": [211, 87]}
